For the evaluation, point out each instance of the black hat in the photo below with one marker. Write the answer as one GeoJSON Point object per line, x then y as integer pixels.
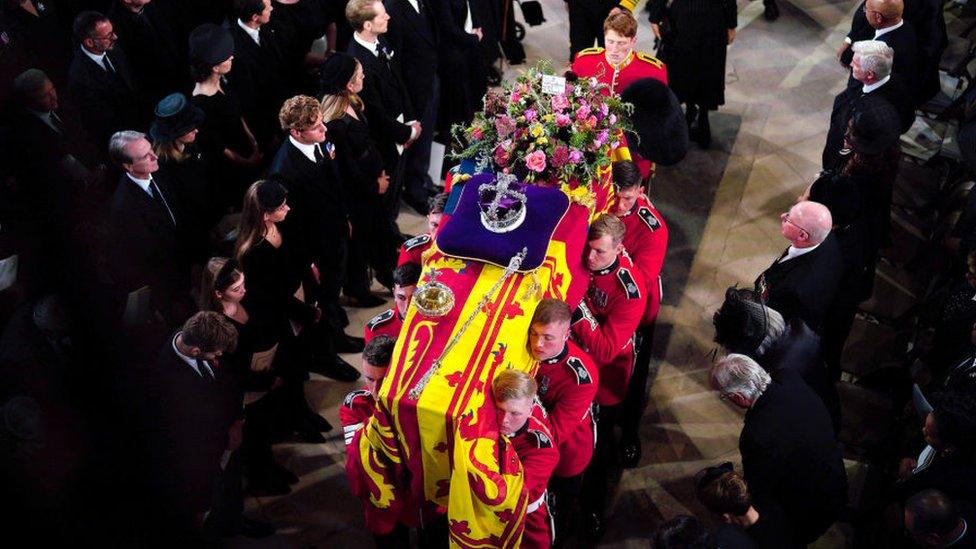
{"type": "Point", "coordinates": [175, 117]}
{"type": "Point", "coordinates": [211, 44]}
{"type": "Point", "coordinates": [875, 126]}
{"type": "Point", "coordinates": [658, 121]}
{"type": "Point", "coordinates": [271, 194]}
{"type": "Point", "coordinates": [336, 73]}
{"type": "Point", "coordinates": [740, 326]}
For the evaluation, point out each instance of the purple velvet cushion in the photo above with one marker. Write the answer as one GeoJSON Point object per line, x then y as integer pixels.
{"type": "Point", "coordinates": [465, 237]}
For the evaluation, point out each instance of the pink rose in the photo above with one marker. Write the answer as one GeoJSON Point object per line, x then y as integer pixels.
{"type": "Point", "coordinates": [591, 121]}
{"type": "Point", "coordinates": [559, 103]}
{"type": "Point", "coordinates": [583, 112]}
{"type": "Point", "coordinates": [516, 96]}
{"type": "Point", "coordinates": [477, 133]}
{"type": "Point", "coordinates": [536, 161]}
{"type": "Point", "coordinates": [563, 120]}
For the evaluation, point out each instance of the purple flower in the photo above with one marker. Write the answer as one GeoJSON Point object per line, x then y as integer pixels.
{"type": "Point", "coordinates": [559, 103]}
{"type": "Point", "coordinates": [530, 115]}
{"type": "Point", "coordinates": [504, 125]}
{"type": "Point", "coordinates": [603, 136]}
{"type": "Point", "coordinates": [582, 112]}
{"type": "Point", "coordinates": [575, 156]}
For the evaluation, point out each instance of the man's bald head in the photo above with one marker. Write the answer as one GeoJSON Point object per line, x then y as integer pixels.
{"type": "Point", "coordinates": [806, 224]}
{"type": "Point", "coordinates": [883, 13]}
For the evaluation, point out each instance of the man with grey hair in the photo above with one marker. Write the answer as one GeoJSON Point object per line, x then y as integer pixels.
{"type": "Point", "coordinates": [871, 76]}
{"type": "Point", "coordinates": [802, 282]}
{"type": "Point", "coordinates": [144, 245]}
{"type": "Point", "coordinates": [789, 453]}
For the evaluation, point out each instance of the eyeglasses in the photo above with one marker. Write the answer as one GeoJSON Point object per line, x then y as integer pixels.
{"type": "Point", "coordinates": [785, 216]}
{"type": "Point", "coordinates": [109, 36]}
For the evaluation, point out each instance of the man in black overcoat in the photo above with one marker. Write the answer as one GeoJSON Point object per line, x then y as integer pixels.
{"type": "Point", "coordinates": [144, 245]}
{"type": "Point", "coordinates": [392, 119]}
{"type": "Point", "coordinates": [788, 448]}
{"type": "Point", "coordinates": [319, 217]}
{"type": "Point", "coordinates": [413, 33]}
{"type": "Point", "coordinates": [100, 82]}
{"type": "Point", "coordinates": [884, 22]}
{"type": "Point", "coordinates": [158, 57]}
{"type": "Point", "coordinates": [802, 282]}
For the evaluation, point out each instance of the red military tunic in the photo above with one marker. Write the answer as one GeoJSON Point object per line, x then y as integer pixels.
{"type": "Point", "coordinates": [646, 242]}
{"type": "Point", "coordinates": [357, 408]}
{"type": "Point", "coordinates": [537, 452]}
{"type": "Point", "coordinates": [567, 387]}
{"type": "Point", "coordinates": [592, 62]}
{"type": "Point", "coordinates": [611, 312]}
{"type": "Point", "coordinates": [412, 250]}
{"type": "Point", "coordinates": [387, 323]}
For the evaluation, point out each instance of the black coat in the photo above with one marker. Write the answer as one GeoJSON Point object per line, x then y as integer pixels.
{"type": "Point", "coordinates": [798, 351]}
{"type": "Point", "coordinates": [144, 248]}
{"type": "Point", "coordinates": [384, 98]}
{"type": "Point", "coordinates": [695, 47]}
{"type": "Point", "coordinates": [415, 37]}
{"type": "Point", "coordinates": [804, 286]}
{"type": "Point", "coordinates": [461, 66]}
{"type": "Point", "coordinates": [789, 454]}
{"type": "Point", "coordinates": [905, 44]}
{"type": "Point", "coordinates": [296, 27]}
{"type": "Point", "coordinates": [895, 92]}
{"type": "Point", "coordinates": [258, 81]}
{"type": "Point", "coordinates": [106, 103]}
{"type": "Point", "coordinates": [319, 212]}
{"type": "Point", "coordinates": [45, 43]}
{"type": "Point", "coordinates": [158, 61]}
{"type": "Point", "coordinates": [191, 416]}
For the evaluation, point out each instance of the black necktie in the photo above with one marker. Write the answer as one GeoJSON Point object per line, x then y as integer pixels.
{"type": "Point", "coordinates": [205, 371]}
{"type": "Point", "coordinates": [158, 195]}
{"type": "Point", "coordinates": [109, 67]}
{"type": "Point", "coordinates": [319, 156]}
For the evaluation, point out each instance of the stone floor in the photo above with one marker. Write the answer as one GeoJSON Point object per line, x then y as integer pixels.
{"type": "Point", "coordinates": [722, 206]}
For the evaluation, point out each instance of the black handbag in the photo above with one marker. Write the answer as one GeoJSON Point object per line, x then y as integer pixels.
{"type": "Point", "coordinates": [532, 12]}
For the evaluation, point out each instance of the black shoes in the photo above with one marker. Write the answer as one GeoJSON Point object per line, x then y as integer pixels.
{"type": "Point", "coordinates": [334, 368]}
{"type": "Point", "coordinates": [345, 343]}
{"type": "Point", "coordinates": [630, 453]}
{"type": "Point", "coordinates": [771, 13]}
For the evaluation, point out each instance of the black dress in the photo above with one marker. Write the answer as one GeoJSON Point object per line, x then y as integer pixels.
{"type": "Point", "coordinates": [273, 277]}
{"type": "Point", "coordinates": [223, 128]}
{"type": "Point", "coordinates": [373, 231]}
{"type": "Point", "coordinates": [694, 49]}
{"type": "Point", "coordinates": [191, 184]}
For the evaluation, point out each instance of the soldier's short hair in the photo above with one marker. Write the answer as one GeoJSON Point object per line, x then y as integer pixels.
{"type": "Point", "coordinates": [299, 113]}
{"type": "Point", "coordinates": [551, 310]}
{"type": "Point", "coordinates": [407, 274]}
{"type": "Point", "coordinates": [358, 12]}
{"type": "Point", "coordinates": [513, 384]}
{"type": "Point", "coordinates": [379, 351]}
{"type": "Point", "coordinates": [727, 493]}
{"type": "Point", "coordinates": [622, 22]}
{"type": "Point", "coordinates": [437, 203]}
{"type": "Point", "coordinates": [626, 174]}
{"type": "Point", "coordinates": [605, 225]}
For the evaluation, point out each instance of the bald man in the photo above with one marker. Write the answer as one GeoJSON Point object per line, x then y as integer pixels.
{"type": "Point", "coordinates": [803, 281]}
{"type": "Point", "coordinates": [883, 20]}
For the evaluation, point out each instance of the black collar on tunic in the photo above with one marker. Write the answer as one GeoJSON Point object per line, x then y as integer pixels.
{"type": "Point", "coordinates": [609, 269]}
{"type": "Point", "coordinates": [562, 354]}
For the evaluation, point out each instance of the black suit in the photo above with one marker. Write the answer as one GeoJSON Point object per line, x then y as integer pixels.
{"type": "Point", "coordinates": [319, 216]}
{"type": "Point", "coordinates": [462, 66]}
{"type": "Point", "coordinates": [415, 37]}
{"type": "Point", "coordinates": [798, 351]}
{"type": "Point", "coordinates": [894, 91]}
{"type": "Point", "coordinates": [144, 246]}
{"type": "Point", "coordinates": [790, 455]}
{"type": "Point", "coordinates": [384, 98]}
{"type": "Point", "coordinates": [258, 82]}
{"type": "Point", "coordinates": [158, 60]}
{"type": "Point", "coordinates": [804, 287]}
{"type": "Point", "coordinates": [905, 44]}
{"type": "Point", "coordinates": [107, 101]}
{"type": "Point", "coordinates": [191, 414]}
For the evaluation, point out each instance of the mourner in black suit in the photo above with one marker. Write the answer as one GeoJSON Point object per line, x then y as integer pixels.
{"type": "Point", "coordinates": [158, 57]}
{"type": "Point", "coordinates": [462, 70]}
{"type": "Point", "coordinates": [319, 218]}
{"type": "Point", "coordinates": [144, 216]}
{"type": "Point", "coordinates": [803, 281]}
{"type": "Point", "coordinates": [743, 325]}
{"type": "Point", "coordinates": [100, 82]}
{"type": "Point", "coordinates": [392, 119]}
{"type": "Point", "coordinates": [788, 448]}
{"type": "Point", "coordinates": [36, 27]}
{"type": "Point", "coordinates": [257, 78]}
{"type": "Point", "coordinates": [871, 68]}
{"type": "Point", "coordinates": [883, 21]}
{"type": "Point", "coordinates": [413, 33]}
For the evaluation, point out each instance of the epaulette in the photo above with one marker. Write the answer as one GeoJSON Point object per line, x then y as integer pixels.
{"type": "Point", "coordinates": [381, 318]}
{"type": "Point", "coordinates": [590, 51]}
{"type": "Point", "coordinates": [627, 280]}
{"type": "Point", "coordinates": [347, 402]}
{"type": "Point", "coordinates": [650, 59]}
{"type": "Point", "coordinates": [416, 241]}
{"type": "Point", "coordinates": [579, 369]}
{"type": "Point", "coordinates": [648, 217]}
{"type": "Point", "coordinates": [542, 440]}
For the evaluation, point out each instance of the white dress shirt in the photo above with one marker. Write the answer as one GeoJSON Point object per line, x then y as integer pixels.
{"type": "Point", "coordinates": [253, 33]}
{"type": "Point", "coordinates": [415, 5]}
{"type": "Point", "coordinates": [886, 30]}
{"type": "Point", "coordinates": [99, 59]}
{"type": "Point", "coordinates": [142, 183]}
{"type": "Point", "coordinates": [373, 47]}
{"type": "Point", "coordinates": [192, 361]}
{"type": "Point", "coordinates": [307, 150]}
{"type": "Point", "coordinates": [793, 252]}
{"type": "Point", "coordinates": [868, 88]}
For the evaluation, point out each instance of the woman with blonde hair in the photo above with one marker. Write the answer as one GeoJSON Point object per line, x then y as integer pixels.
{"type": "Point", "coordinates": [366, 179]}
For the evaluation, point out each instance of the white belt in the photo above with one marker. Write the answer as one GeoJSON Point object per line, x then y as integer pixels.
{"type": "Point", "coordinates": [537, 503]}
